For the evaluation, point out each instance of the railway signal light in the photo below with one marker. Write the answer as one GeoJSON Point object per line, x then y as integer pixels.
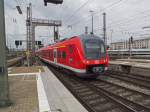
{"type": "Point", "coordinates": [38, 43]}
{"type": "Point", "coordinates": [53, 1]}
{"type": "Point", "coordinates": [18, 42]}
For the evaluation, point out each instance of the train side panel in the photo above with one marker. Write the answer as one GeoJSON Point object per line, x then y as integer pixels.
{"type": "Point", "coordinates": [69, 54]}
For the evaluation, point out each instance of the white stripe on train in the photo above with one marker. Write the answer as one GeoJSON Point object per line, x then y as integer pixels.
{"type": "Point", "coordinates": [65, 66]}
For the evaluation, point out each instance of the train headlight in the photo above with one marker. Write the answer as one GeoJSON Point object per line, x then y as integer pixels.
{"type": "Point", "coordinates": [106, 68]}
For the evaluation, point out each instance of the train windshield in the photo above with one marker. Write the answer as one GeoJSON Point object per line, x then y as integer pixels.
{"type": "Point", "coordinates": [94, 49]}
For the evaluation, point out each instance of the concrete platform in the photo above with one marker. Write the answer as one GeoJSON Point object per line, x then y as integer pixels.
{"type": "Point", "coordinates": [132, 63]}
{"type": "Point", "coordinates": [59, 98]}
{"type": "Point", "coordinates": [52, 95]}
{"type": "Point", "coordinates": [23, 94]}
{"type": "Point", "coordinates": [141, 67]}
{"type": "Point", "coordinates": [135, 60]}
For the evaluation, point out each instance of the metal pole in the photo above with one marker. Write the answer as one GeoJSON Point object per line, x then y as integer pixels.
{"type": "Point", "coordinates": [29, 33]}
{"type": "Point", "coordinates": [31, 57]}
{"type": "Point", "coordinates": [111, 35]}
{"type": "Point", "coordinates": [4, 86]}
{"type": "Point", "coordinates": [86, 30]}
{"type": "Point", "coordinates": [28, 36]}
{"type": "Point", "coordinates": [104, 28]}
{"type": "Point", "coordinates": [54, 34]}
{"type": "Point", "coordinates": [33, 43]}
{"type": "Point", "coordinates": [92, 32]}
{"type": "Point", "coordinates": [129, 48]}
{"type": "Point", "coordinates": [92, 24]}
{"type": "Point", "coordinates": [33, 39]}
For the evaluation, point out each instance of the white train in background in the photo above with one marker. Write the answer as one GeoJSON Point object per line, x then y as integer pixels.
{"type": "Point", "coordinates": [127, 52]}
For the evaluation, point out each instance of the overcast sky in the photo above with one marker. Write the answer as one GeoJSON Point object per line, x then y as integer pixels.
{"type": "Point", "coordinates": [124, 18]}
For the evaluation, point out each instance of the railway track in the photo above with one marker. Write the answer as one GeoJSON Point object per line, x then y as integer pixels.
{"type": "Point", "coordinates": [14, 61]}
{"type": "Point", "coordinates": [137, 100]}
{"type": "Point", "coordinates": [102, 96]}
{"type": "Point", "coordinates": [142, 81]}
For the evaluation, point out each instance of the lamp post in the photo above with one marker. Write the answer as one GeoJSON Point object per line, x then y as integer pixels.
{"type": "Point", "coordinates": [111, 35]}
{"type": "Point", "coordinates": [104, 28]}
{"type": "Point", "coordinates": [92, 12]}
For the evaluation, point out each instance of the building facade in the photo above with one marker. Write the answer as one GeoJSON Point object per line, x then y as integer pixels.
{"type": "Point", "coordinates": [143, 43]}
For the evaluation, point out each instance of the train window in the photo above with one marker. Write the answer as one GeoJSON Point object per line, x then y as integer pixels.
{"type": "Point", "coordinates": [63, 54]}
{"type": "Point", "coordinates": [70, 48]}
{"type": "Point", "coordinates": [94, 49]}
{"type": "Point", "coordinates": [58, 54]}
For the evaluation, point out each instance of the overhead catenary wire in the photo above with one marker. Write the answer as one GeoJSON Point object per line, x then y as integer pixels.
{"type": "Point", "coordinates": [77, 10]}
{"type": "Point", "coordinates": [115, 3]}
{"type": "Point", "coordinates": [123, 22]}
{"type": "Point", "coordinates": [88, 17]}
{"type": "Point", "coordinates": [95, 13]}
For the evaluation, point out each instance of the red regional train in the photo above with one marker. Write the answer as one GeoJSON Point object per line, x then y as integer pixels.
{"type": "Point", "coordinates": [85, 55]}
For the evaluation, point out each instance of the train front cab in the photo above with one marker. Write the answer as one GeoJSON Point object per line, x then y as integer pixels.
{"type": "Point", "coordinates": [95, 56]}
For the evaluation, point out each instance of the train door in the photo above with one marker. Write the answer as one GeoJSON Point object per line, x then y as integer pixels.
{"type": "Point", "coordinates": [55, 55]}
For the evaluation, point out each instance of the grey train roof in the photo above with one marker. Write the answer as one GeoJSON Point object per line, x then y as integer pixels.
{"type": "Point", "coordinates": [89, 36]}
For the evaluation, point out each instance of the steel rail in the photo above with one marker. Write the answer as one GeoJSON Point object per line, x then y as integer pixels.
{"type": "Point", "coordinates": [77, 87]}
{"type": "Point", "coordinates": [135, 92]}
{"type": "Point", "coordinates": [133, 76]}
{"type": "Point", "coordinates": [127, 103]}
{"type": "Point", "coordinates": [133, 81]}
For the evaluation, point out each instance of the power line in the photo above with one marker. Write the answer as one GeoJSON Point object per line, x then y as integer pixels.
{"type": "Point", "coordinates": [122, 22]}
{"type": "Point", "coordinates": [77, 10]}
{"type": "Point", "coordinates": [115, 3]}
{"type": "Point", "coordinates": [127, 21]}
{"type": "Point", "coordinates": [107, 7]}
{"type": "Point", "coordinates": [110, 6]}
{"type": "Point", "coordinates": [132, 17]}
